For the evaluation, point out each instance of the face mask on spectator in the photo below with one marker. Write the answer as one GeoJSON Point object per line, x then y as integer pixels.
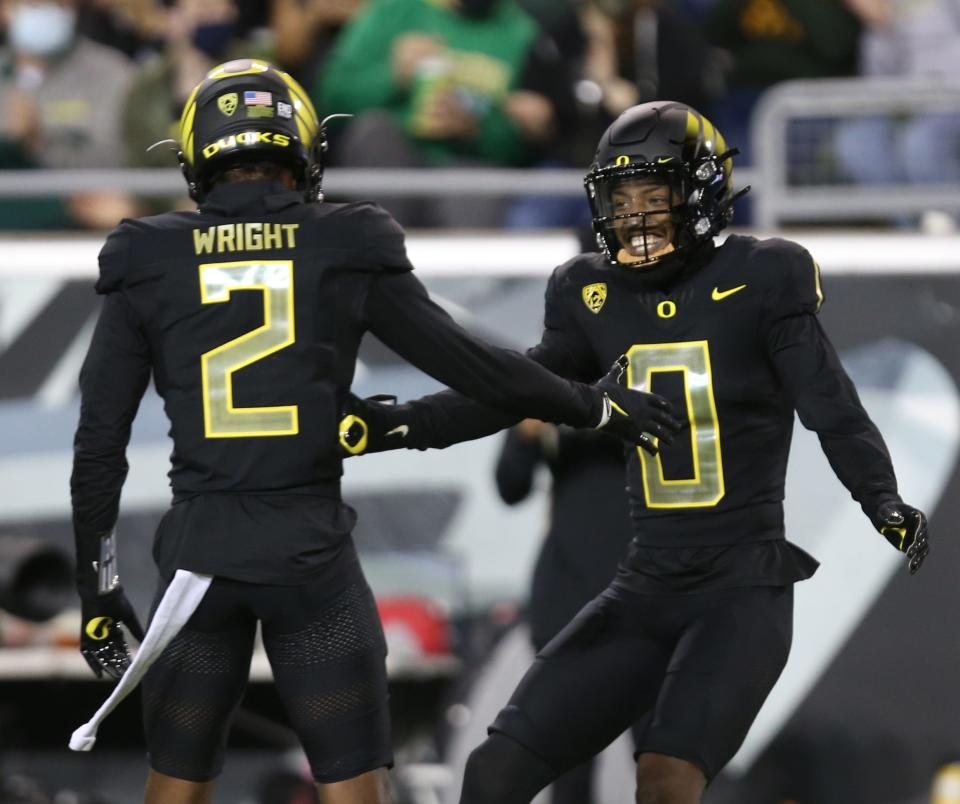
{"type": "Point", "coordinates": [214, 39]}
{"type": "Point", "coordinates": [477, 8]}
{"type": "Point", "coordinates": [43, 29]}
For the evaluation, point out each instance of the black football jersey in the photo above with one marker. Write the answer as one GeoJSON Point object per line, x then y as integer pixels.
{"type": "Point", "coordinates": [248, 314]}
{"type": "Point", "coordinates": [735, 344]}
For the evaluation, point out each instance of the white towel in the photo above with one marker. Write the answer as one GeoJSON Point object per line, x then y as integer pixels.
{"type": "Point", "coordinates": [181, 599]}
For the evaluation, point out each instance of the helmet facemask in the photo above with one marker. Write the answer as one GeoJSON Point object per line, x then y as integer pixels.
{"type": "Point", "coordinates": [638, 212]}
{"type": "Point", "coordinates": [700, 206]}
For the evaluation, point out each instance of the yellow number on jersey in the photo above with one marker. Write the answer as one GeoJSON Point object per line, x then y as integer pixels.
{"type": "Point", "coordinates": [705, 488]}
{"type": "Point", "coordinates": [274, 279]}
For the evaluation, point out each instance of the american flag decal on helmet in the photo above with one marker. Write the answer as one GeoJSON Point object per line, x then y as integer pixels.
{"type": "Point", "coordinates": [257, 98]}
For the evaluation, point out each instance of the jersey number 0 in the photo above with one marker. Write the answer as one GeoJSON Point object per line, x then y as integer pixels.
{"type": "Point", "coordinates": [692, 358]}
{"type": "Point", "coordinates": [274, 279]}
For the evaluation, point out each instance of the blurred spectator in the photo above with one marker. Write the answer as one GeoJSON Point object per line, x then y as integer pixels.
{"type": "Point", "coordinates": [644, 50]}
{"type": "Point", "coordinates": [460, 83]}
{"type": "Point", "coordinates": [588, 535]}
{"type": "Point", "coordinates": [61, 96]}
{"type": "Point", "coordinates": [18, 789]}
{"type": "Point", "coordinates": [634, 51]}
{"type": "Point", "coordinates": [904, 38]}
{"type": "Point", "coordinates": [134, 27]}
{"type": "Point", "coordinates": [199, 35]}
{"type": "Point", "coordinates": [560, 20]}
{"type": "Point", "coordinates": [770, 41]}
{"type": "Point", "coordinates": [304, 32]}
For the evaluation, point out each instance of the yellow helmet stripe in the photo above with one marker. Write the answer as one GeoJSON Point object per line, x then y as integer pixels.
{"type": "Point", "coordinates": [186, 126]}
{"type": "Point", "coordinates": [702, 129]}
{"type": "Point", "coordinates": [300, 94]}
{"type": "Point", "coordinates": [307, 123]}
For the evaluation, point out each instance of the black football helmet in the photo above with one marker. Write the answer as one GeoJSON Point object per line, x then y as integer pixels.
{"type": "Point", "coordinates": [673, 145]}
{"type": "Point", "coordinates": [247, 110]}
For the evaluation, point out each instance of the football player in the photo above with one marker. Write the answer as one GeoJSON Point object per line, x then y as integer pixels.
{"type": "Point", "coordinates": [696, 627]}
{"type": "Point", "coordinates": [248, 314]}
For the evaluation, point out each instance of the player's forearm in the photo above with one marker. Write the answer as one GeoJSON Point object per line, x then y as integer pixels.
{"type": "Point", "coordinates": [401, 314]}
{"type": "Point", "coordinates": [827, 402]}
{"type": "Point", "coordinates": [95, 486]}
{"type": "Point", "coordinates": [443, 419]}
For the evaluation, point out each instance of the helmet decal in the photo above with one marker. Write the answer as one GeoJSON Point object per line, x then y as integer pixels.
{"type": "Point", "coordinates": [228, 103]}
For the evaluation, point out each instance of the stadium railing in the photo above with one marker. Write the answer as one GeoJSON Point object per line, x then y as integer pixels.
{"type": "Point", "coordinates": [797, 177]}
{"type": "Point", "coordinates": [344, 182]}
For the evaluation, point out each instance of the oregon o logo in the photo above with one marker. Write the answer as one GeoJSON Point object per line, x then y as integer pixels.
{"type": "Point", "coordinates": [622, 160]}
{"type": "Point", "coordinates": [98, 628]}
{"type": "Point", "coordinates": [666, 309]}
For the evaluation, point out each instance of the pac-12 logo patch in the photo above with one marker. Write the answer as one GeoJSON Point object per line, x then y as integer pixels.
{"type": "Point", "coordinates": [594, 296]}
{"type": "Point", "coordinates": [228, 103]}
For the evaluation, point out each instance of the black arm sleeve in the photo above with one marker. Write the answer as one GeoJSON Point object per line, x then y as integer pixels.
{"type": "Point", "coordinates": [400, 313]}
{"type": "Point", "coordinates": [827, 403]}
{"type": "Point", "coordinates": [516, 466]}
{"type": "Point", "coordinates": [445, 418]}
{"type": "Point", "coordinates": [112, 381]}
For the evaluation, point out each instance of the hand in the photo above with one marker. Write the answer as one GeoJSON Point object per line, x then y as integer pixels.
{"type": "Point", "coordinates": [371, 425]}
{"type": "Point", "coordinates": [23, 120]}
{"type": "Point", "coordinates": [409, 50]}
{"type": "Point", "coordinates": [444, 117]}
{"type": "Point", "coordinates": [906, 529]}
{"type": "Point", "coordinates": [101, 209]}
{"type": "Point", "coordinates": [632, 415]}
{"type": "Point", "coordinates": [531, 429]}
{"type": "Point", "coordinates": [872, 13]}
{"type": "Point", "coordinates": [101, 641]}
{"type": "Point", "coordinates": [531, 112]}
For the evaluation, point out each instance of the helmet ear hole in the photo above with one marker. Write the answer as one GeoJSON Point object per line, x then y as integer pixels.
{"type": "Point", "coordinates": [193, 188]}
{"type": "Point", "coordinates": [705, 171]}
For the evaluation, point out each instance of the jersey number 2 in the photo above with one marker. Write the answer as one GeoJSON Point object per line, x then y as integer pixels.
{"type": "Point", "coordinates": [274, 279]}
{"type": "Point", "coordinates": [692, 358]}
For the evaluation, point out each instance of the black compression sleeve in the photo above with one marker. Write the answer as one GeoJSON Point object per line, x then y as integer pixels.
{"type": "Point", "coordinates": [112, 381]}
{"type": "Point", "coordinates": [827, 403]}
{"type": "Point", "coordinates": [440, 420]}
{"type": "Point", "coordinates": [400, 313]}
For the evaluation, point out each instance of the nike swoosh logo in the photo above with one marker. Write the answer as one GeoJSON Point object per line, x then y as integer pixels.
{"type": "Point", "coordinates": [662, 160]}
{"type": "Point", "coordinates": [720, 295]}
{"type": "Point", "coordinates": [401, 431]}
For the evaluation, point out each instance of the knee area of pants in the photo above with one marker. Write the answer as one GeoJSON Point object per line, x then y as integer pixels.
{"type": "Point", "coordinates": [667, 780]}
{"type": "Point", "coordinates": [482, 772]}
{"type": "Point", "coordinates": [501, 771]}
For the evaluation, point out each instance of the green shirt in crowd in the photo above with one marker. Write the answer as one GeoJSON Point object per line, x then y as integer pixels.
{"type": "Point", "coordinates": [484, 62]}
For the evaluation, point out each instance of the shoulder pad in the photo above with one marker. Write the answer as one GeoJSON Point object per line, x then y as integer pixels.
{"type": "Point", "coordinates": [382, 239]}
{"type": "Point", "coordinates": [584, 267]}
{"type": "Point", "coordinates": [114, 259]}
{"type": "Point", "coordinates": [793, 276]}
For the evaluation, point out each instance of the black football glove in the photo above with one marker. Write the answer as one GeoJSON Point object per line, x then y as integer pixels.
{"type": "Point", "coordinates": [906, 529]}
{"type": "Point", "coordinates": [374, 424]}
{"type": "Point", "coordinates": [101, 641]}
{"type": "Point", "coordinates": [635, 416]}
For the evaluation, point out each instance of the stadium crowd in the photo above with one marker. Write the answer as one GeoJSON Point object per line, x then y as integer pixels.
{"type": "Point", "coordinates": [472, 83]}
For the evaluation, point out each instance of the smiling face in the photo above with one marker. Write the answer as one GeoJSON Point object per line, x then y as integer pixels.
{"type": "Point", "coordinates": [648, 234]}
